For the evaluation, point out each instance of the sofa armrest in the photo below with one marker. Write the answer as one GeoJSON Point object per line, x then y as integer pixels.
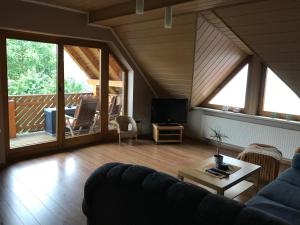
{"type": "Point", "coordinates": [94, 180]}
{"type": "Point", "coordinates": [296, 161]}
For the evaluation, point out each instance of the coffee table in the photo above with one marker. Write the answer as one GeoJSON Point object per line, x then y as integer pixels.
{"type": "Point", "coordinates": [236, 181]}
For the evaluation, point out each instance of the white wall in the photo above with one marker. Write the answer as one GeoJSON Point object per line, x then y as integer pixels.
{"type": "Point", "coordinates": [242, 133]}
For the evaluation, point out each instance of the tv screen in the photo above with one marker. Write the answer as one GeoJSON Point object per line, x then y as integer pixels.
{"type": "Point", "coordinates": [169, 111]}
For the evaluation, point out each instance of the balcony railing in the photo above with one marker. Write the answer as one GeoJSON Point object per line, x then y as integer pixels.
{"type": "Point", "coordinates": [26, 112]}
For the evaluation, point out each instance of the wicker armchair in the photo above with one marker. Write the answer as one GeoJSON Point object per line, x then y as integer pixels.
{"type": "Point", "coordinates": [268, 157]}
{"type": "Point", "coordinates": [126, 127]}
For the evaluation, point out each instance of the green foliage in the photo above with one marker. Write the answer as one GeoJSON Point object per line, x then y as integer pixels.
{"type": "Point", "coordinates": [31, 68]}
{"type": "Point", "coordinates": [72, 86]}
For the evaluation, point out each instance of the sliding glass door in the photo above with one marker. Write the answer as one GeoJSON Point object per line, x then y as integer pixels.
{"type": "Point", "coordinates": [56, 93]}
{"type": "Point", "coordinates": [116, 91]}
{"type": "Point", "coordinates": [32, 97]}
{"type": "Point", "coordinates": [82, 91]}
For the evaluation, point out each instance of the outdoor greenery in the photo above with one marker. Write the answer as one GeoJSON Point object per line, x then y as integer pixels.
{"type": "Point", "coordinates": [31, 68]}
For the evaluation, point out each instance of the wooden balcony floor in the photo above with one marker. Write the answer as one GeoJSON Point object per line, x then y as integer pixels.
{"type": "Point", "coordinates": [31, 139]}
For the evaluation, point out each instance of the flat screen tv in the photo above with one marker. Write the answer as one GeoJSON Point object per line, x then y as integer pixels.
{"type": "Point", "coordinates": [169, 111]}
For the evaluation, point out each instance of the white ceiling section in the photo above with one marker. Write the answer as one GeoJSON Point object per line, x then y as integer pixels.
{"type": "Point", "coordinates": [272, 30]}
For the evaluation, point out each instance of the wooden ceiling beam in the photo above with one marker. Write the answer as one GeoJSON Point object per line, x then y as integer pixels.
{"type": "Point", "coordinates": [128, 8]}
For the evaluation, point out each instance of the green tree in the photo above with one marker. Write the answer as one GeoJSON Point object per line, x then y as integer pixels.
{"type": "Point", "coordinates": [31, 69]}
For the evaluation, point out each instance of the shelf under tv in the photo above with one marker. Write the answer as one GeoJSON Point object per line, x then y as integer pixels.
{"type": "Point", "coordinates": [167, 133]}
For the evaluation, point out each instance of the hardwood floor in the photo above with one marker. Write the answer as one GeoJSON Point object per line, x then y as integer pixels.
{"type": "Point", "coordinates": [49, 190]}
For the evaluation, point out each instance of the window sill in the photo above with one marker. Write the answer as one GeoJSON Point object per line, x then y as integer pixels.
{"type": "Point", "coordinates": [262, 120]}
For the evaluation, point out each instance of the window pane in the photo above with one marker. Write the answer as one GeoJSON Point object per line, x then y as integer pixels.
{"type": "Point", "coordinates": [82, 96]}
{"type": "Point", "coordinates": [31, 71]}
{"type": "Point", "coordinates": [234, 92]}
{"type": "Point", "coordinates": [283, 101]}
{"type": "Point", "coordinates": [115, 91]}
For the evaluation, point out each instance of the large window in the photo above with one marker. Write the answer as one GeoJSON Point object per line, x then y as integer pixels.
{"type": "Point", "coordinates": [279, 99]}
{"type": "Point", "coordinates": [234, 92]}
{"type": "Point", "coordinates": [31, 74]}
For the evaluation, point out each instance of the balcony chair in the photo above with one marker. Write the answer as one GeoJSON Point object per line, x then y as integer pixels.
{"type": "Point", "coordinates": [84, 116]}
{"type": "Point", "coordinates": [126, 127]}
{"type": "Point", "coordinates": [114, 108]}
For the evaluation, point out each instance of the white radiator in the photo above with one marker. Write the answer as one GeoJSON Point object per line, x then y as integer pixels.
{"type": "Point", "coordinates": [243, 133]}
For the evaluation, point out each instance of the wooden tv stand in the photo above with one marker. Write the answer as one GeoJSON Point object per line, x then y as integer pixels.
{"type": "Point", "coordinates": [167, 133]}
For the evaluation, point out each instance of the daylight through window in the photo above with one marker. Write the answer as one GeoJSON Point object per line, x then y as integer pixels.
{"type": "Point", "coordinates": [234, 92]}
{"type": "Point", "coordinates": [279, 97]}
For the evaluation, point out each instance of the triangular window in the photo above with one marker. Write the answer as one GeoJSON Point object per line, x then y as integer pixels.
{"type": "Point", "coordinates": [234, 92]}
{"type": "Point", "coordinates": [279, 98]}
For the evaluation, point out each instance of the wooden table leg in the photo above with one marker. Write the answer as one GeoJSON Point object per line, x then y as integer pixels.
{"type": "Point", "coordinates": [256, 181]}
{"type": "Point", "coordinates": [220, 192]}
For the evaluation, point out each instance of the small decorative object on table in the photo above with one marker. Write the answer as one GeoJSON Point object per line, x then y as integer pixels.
{"type": "Point", "coordinates": [218, 137]}
{"type": "Point", "coordinates": [221, 172]}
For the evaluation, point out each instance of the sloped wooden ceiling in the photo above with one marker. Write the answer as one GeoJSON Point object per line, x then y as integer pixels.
{"type": "Point", "coordinates": [216, 56]}
{"type": "Point", "coordinates": [89, 61]}
{"type": "Point", "coordinates": [272, 29]}
{"type": "Point", "coordinates": [84, 5]}
{"type": "Point", "coordinates": [178, 9]}
{"type": "Point", "coordinates": [165, 55]}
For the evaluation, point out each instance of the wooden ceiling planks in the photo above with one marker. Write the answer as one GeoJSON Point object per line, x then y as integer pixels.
{"type": "Point", "coordinates": [165, 55]}
{"type": "Point", "coordinates": [83, 5]}
{"type": "Point", "coordinates": [216, 56]}
{"type": "Point", "coordinates": [213, 19]}
{"type": "Point", "coordinates": [179, 9]}
{"type": "Point", "coordinates": [88, 60]}
{"type": "Point", "coordinates": [272, 29]}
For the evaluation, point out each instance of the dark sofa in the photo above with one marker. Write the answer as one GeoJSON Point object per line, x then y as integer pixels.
{"type": "Point", "coordinates": [121, 194]}
{"type": "Point", "coordinates": [281, 197]}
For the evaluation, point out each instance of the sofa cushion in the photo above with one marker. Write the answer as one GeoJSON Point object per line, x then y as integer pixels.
{"type": "Point", "coordinates": [214, 209]}
{"type": "Point", "coordinates": [276, 209]}
{"type": "Point", "coordinates": [251, 216]}
{"type": "Point", "coordinates": [283, 193]}
{"type": "Point", "coordinates": [291, 176]}
{"type": "Point", "coordinates": [296, 161]}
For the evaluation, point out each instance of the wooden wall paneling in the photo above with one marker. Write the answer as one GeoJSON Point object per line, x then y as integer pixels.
{"type": "Point", "coordinates": [271, 28]}
{"type": "Point", "coordinates": [211, 17]}
{"type": "Point", "coordinates": [166, 55]}
{"type": "Point", "coordinates": [216, 56]}
{"type": "Point", "coordinates": [224, 82]}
